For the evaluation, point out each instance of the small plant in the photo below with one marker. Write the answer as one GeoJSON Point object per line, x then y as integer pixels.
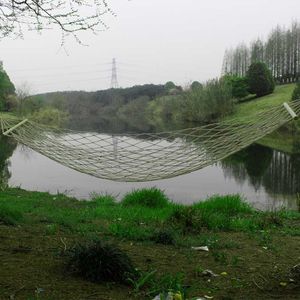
{"type": "Point", "coordinates": [153, 198]}
{"type": "Point", "coordinates": [100, 262]}
{"type": "Point", "coordinates": [165, 237]}
{"type": "Point", "coordinates": [270, 219]}
{"type": "Point", "coordinates": [265, 238]}
{"type": "Point", "coordinates": [168, 284]}
{"type": "Point", "coordinates": [220, 257]}
{"type": "Point", "coordinates": [187, 218]}
{"type": "Point", "coordinates": [143, 279]}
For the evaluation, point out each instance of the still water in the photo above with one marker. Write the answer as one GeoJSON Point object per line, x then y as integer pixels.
{"type": "Point", "coordinates": [265, 177]}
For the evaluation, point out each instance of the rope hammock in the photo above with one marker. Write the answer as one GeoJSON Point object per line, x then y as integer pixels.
{"type": "Point", "coordinates": [148, 156]}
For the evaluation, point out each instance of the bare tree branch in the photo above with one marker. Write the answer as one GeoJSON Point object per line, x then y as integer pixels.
{"type": "Point", "coordinates": [71, 16]}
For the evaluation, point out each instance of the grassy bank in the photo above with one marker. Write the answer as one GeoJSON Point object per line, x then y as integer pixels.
{"type": "Point", "coordinates": [250, 253]}
{"type": "Point", "coordinates": [282, 93]}
{"type": "Point", "coordinates": [282, 140]}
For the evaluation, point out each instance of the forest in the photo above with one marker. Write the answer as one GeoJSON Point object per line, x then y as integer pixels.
{"type": "Point", "coordinates": [280, 52]}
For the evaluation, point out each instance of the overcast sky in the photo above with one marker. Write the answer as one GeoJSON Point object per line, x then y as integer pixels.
{"type": "Point", "coordinates": [153, 41]}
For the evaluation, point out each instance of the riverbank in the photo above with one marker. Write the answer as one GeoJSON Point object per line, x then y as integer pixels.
{"type": "Point", "coordinates": [283, 139]}
{"type": "Point", "coordinates": [250, 253]}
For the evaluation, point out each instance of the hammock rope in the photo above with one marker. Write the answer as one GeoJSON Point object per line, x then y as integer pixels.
{"type": "Point", "coordinates": [148, 156]}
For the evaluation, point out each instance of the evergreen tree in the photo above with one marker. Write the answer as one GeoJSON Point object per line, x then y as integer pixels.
{"type": "Point", "coordinates": [260, 79]}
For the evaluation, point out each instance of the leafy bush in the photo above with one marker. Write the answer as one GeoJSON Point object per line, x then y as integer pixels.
{"type": "Point", "coordinates": [208, 103]}
{"type": "Point", "coordinates": [152, 197]}
{"type": "Point", "coordinates": [296, 92]}
{"type": "Point", "coordinates": [239, 86]}
{"type": "Point", "coordinates": [50, 116]}
{"type": "Point", "coordinates": [98, 262]}
{"type": "Point", "coordinates": [260, 79]}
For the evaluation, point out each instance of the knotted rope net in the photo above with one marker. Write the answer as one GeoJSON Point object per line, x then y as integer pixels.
{"type": "Point", "coordinates": [148, 156]}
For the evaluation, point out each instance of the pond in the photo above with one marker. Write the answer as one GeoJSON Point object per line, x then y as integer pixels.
{"type": "Point", "coordinates": [267, 178]}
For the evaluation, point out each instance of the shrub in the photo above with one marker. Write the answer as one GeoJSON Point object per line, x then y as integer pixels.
{"type": "Point", "coordinates": [206, 104]}
{"type": "Point", "coordinates": [50, 116]}
{"type": "Point", "coordinates": [153, 198]}
{"type": "Point", "coordinates": [186, 218]}
{"type": "Point", "coordinates": [296, 92]}
{"type": "Point", "coordinates": [98, 262]}
{"type": "Point", "coordinates": [260, 79]}
{"type": "Point", "coordinates": [239, 86]}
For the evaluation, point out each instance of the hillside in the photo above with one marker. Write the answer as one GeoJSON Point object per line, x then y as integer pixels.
{"type": "Point", "coordinates": [281, 94]}
{"type": "Point", "coordinates": [282, 139]}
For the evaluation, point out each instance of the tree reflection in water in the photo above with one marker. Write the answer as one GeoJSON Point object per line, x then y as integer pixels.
{"type": "Point", "coordinates": [277, 172]}
{"type": "Point", "coordinates": [7, 147]}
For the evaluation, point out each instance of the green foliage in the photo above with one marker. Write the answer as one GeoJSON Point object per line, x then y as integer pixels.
{"type": "Point", "coordinates": [50, 116]}
{"type": "Point", "coordinates": [165, 112]}
{"type": "Point", "coordinates": [217, 213]}
{"type": "Point", "coordinates": [152, 197]}
{"type": "Point", "coordinates": [168, 284]}
{"type": "Point", "coordinates": [196, 85]}
{"type": "Point", "coordinates": [170, 85]}
{"type": "Point", "coordinates": [133, 113]}
{"type": "Point", "coordinates": [260, 79]}
{"type": "Point", "coordinates": [6, 89]}
{"type": "Point", "coordinates": [29, 105]}
{"type": "Point", "coordinates": [130, 231]}
{"type": "Point", "coordinates": [207, 104]}
{"type": "Point", "coordinates": [239, 86]}
{"type": "Point", "coordinates": [7, 147]}
{"type": "Point", "coordinates": [9, 216]}
{"type": "Point", "coordinates": [103, 200]}
{"type": "Point", "coordinates": [100, 262]}
{"type": "Point", "coordinates": [150, 284]}
{"type": "Point", "coordinates": [296, 92]}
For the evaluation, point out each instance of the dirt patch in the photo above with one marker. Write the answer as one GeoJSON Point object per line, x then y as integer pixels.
{"type": "Point", "coordinates": [250, 268]}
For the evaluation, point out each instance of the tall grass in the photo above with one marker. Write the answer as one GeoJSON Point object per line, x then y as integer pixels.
{"type": "Point", "coordinates": [152, 197]}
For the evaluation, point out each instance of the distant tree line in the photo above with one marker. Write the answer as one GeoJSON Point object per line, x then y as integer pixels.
{"type": "Point", "coordinates": [280, 52]}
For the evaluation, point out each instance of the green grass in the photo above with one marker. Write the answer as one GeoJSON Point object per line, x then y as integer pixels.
{"type": "Point", "coordinates": [282, 93]}
{"type": "Point", "coordinates": [10, 215]}
{"type": "Point", "coordinates": [152, 197]}
{"type": "Point", "coordinates": [282, 139]}
{"type": "Point", "coordinates": [158, 240]}
{"type": "Point", "coordinates": [133, 221]}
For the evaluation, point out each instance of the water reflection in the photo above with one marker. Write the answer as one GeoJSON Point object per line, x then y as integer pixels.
{"type": "Point", "coordinates": [7, 147]}
{"type": "Point", "coordinates": [265, 176]}
{"type": "Point", "coordinates": [277, 172]}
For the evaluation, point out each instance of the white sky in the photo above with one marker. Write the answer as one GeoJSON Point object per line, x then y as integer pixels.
{"type": "Point", "coordinates": [154, 41]}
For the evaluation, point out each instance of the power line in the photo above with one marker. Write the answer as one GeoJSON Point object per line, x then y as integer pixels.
{"type": "Point", "coordinates": [57, 68]}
